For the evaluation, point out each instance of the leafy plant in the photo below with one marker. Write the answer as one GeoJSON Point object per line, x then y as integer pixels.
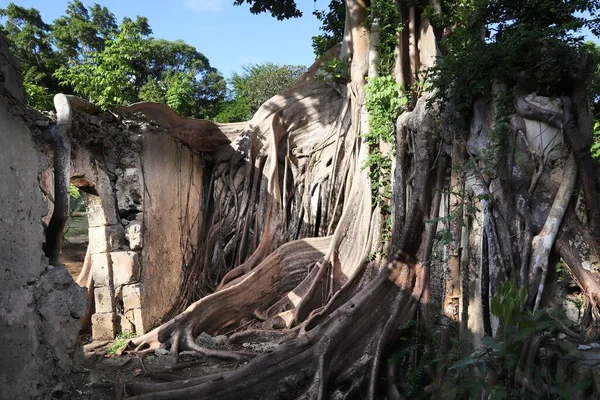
{"type": "Point", "coordinates": [334, 70]}
{"type": "Point", "coordinates": [85, 52]}
{"type": "Point", "coordinates": [532, 44]}
{"type": "Point", "coordinates": [384, 101]}
{"type": "Point", "coordinates": [180, 94]}
{"type": "Point", "coordinates": [500, 355]}
{"type": "Point", "coordinates": [332, 27]}
{"type": "Point", "coordinates": [595, 149]}
{"type": "Point", "coordinates": [120, 341]}
{"type": "Point", "coordinates": [259, 82]}
{"type": "Point", "coordinates": [412, 347]}
{"type": "Point", "coordinates": [108, 77]}
{"type": "Point", "coordinates": [390, 23]}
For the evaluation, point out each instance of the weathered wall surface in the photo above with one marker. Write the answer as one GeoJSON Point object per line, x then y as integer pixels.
{"type": "Point", "coordinates": [172, 212]}
{"type": "Point", "coordinates": [40, 305]}
{"type": "Point", "coordinates": [143, 202]}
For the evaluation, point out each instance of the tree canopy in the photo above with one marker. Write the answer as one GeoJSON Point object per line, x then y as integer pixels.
{"type": "Point", "coordinates": [255, 85]}
{"type": "Point", "coordinates": [86, 52]}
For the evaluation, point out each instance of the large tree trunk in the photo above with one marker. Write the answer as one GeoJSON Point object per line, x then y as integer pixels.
{"type": "Point", "coordinates": [291, 232]}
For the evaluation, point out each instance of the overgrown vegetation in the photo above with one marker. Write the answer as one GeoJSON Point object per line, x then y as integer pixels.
{"type": "Point", "coordinates": [332, 27]}
{"type": "Point", "coordinates": [504, 219]}
{"type": "Point", "coordinates": [389, 22]}
{"type": "Point", "coordinates": [85, 52]}
{"type": "Point", "coordinates": [255, 85]}
{"type": "Point", "coordinates": [334, 70]}
{"type": "Point", "coordinates": [120, 342]}
{"type": "Point", "coordinates": [384, 101]}
{"type": "Point", "coordinates": [497, 364]}
{"type": "Point", "coordinates": [528, 44]}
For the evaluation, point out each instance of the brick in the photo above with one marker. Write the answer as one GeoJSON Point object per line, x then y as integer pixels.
{"type": "Point", "coordinates": [104, 326]}
{"type": "Point", "coordinates": [131, 297]}
{"type": "Point", "coordinates": [104, 299]}
{"type": "Point", "coordinates": [104, 239]}
{"type": "Point", "coordinates": [101, 270]}
{"type": "Point", "coordinates": [97, 217]}
{"type": "Point", "coordinates": [125, 267]}
{"type": "Point", "coordinates": [132, 321]}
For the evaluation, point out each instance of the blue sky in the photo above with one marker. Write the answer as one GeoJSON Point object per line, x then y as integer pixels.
{"type": "Point", "coordinates": [229, 36]}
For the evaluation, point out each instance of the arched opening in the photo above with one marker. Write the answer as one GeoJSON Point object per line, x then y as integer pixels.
{"type": "Point", "coordinates": [75, 238]}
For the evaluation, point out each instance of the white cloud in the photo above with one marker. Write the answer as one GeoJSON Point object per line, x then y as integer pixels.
{"type": "Point", "coordinates": [205, 5]}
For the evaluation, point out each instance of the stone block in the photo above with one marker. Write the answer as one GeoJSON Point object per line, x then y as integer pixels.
{"type": "Point", "coordinates": [104, 239]}
{"type": "Point", "coordinates": [131, 297]}
{"type": "Point", "coordinates": [104, 298]}
{"type": "Point", "coordinates": [97, 217]}
{"type": "Point", "coordinates": [133, 233]}
{"type": "Point", "coordinates": [104, 326]}
{"type": "Point", "coordinates": [125, 267]}
{"type": "Point", "coordinates": [132, 321]}
{"type": "Point", "coordinates": [101, 270]}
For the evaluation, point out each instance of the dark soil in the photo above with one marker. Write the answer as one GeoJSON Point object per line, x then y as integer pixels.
{"type": "Point", "coordinates": [100, 376]}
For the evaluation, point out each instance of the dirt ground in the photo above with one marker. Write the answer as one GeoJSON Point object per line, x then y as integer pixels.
{"type": "Point", "coordinates": [100, 376]}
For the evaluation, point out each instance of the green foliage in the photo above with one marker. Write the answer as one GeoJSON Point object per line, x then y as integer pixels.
{"type": "Point", "coordinates": [74, 192]}
{"type": "Point", "coordinates": [384, 100]}
{"type": "Point", "coordinates": [81, 31]}
{"type": "Point", "coordinates": [75, 200]}
{"type": "Point", "coordinates": [30, 41]}
{"type": "Point", "coordinates": [108, 77]}
{"type": "Point", "coordinates": [531, 44]}
{"type": "Point", "coordinates": [85, 52]}
{"type": "Point", "coordinates": [594, 51]}
{"type": "Point", "coordinates": [259, 82]}
{"type": "Point", "coordinates": [120, 341]}
{"type": "Point", "coordinates": [332, 27]}
{"type": "Point", "coordinates": [595, 149]}
{"type": "Point", "coordinates": [508, 304]}
{"type": "Point", "coordinates": [235, 110]}
{"type": "Point", "coordinates": [152, 91]}
{"type": "Point", "coordinates": [180, 94]}
{"type": "Point", "coordinates": [334, 70]}
{"type": "Point", "coordinates": [413, 348]}
{"type": "Point", "coordinates": [280, 9]}
{"type": "Point", "coordinates": [390, 23]}
{"type": "Point", "coordinates": [501, 354]}
{"type": "Point", "coordinates": [38, 95]}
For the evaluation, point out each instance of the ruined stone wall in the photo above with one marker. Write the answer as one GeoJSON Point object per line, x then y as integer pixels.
{"type": "Point", "coordinates": [143, 195]}
{"type": "Point", "coordinates": [40, 305]}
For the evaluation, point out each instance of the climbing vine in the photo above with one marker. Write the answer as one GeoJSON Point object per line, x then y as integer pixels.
{"type": "Point", "coordinates": [390, 23]}
{"type": "Point", "coordinates": [384, 101]}
{"type": "Point", "coordinates": [595, 149]}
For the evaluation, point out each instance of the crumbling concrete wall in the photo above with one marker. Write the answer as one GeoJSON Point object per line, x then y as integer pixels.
{"type": "Point", "coordinates": [40, 305]}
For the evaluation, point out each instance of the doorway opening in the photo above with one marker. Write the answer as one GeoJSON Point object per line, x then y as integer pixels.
{"type": "Point", "coordinates": [75, 238]}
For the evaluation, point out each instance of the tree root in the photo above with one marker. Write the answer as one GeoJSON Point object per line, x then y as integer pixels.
{"type": "Point", "coordinates": [279, 273]}
{"type": "Point", "coordinates": [581, 253]}
{"type": "Point", "coordinates": [544, 241]}
{"type": "Point", "coordinates": [330, 359]}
